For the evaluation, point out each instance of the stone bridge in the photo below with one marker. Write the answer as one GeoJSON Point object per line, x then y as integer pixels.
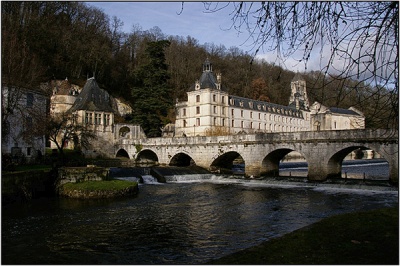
{"type": "Point", "coordinates": [324, 151]}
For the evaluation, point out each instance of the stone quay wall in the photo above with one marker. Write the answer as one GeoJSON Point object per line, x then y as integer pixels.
{"type": "Point", "coordinates": [81, 174]}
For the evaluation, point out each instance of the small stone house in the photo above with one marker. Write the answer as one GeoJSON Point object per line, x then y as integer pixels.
{"type": "Point", "coordinates": [97, 110]}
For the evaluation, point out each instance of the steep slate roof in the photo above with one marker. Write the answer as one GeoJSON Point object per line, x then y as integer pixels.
{"type": "Point", "coordinates": [337, 110]}
{"type": "Point", "coordinates": [207, 79]}
{"type": "Point", "coordinates": [250, 104]}
{"type": "Point", "coordinates": [92, 98]}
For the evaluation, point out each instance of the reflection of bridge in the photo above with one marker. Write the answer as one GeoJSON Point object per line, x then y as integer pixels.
{"type": "Point", "coordinates": [324, 151]}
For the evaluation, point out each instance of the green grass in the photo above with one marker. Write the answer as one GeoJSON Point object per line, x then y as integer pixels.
{"type": "Point", "coordinates": [99, 185]}
{"type": "Point", "coordinates": [357, 238]}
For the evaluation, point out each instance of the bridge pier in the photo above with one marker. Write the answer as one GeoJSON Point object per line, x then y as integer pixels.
{"type": "Point", "coordinates": [252, 171]}
{"type": "Point", "coordinates": [316, 174]}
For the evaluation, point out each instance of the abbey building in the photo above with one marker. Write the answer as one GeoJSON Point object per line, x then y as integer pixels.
{"type": "Point", "coordinates": [210, 110]}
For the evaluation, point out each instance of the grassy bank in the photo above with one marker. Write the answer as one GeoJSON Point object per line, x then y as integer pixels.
{"type": "Point", "coordinates": [357, 238]}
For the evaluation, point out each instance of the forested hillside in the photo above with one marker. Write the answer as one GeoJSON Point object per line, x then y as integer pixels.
{"type": "Point", "coordinates": [54, 40]}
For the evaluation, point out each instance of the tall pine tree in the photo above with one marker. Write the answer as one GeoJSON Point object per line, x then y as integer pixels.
{"type": "Point", "coordinates": [151, 92]}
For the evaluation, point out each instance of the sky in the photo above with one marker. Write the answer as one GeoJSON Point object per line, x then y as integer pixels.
{"type": "Point", "coordinates": [192, 20]}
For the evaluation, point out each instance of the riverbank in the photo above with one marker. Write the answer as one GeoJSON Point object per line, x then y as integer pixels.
{"type": "Point", "coordinates": [98, 189]}
{"type": "Point", "coordinates": [355, 238]}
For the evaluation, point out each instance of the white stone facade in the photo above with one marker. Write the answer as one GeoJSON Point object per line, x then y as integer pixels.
{"type": "Point", "coordinates": [210, 110]}
{"type": "Point", "coordinates": [324, 118]}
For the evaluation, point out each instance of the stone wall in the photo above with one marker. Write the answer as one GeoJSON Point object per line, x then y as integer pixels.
{"type": "Point", "coordinates": [99, 194]}
{"type": "Point", "coordinates": [81, 174]}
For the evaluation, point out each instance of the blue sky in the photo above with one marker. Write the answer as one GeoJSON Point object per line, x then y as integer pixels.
{"type": "Point", "coordinates": [193, 21]}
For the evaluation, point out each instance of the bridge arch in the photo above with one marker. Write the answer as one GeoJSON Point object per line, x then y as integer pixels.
{"type": "Point", "coordinates": [147, 157]}
{"type": "Point", "coordinates": [270, 163]}
{"type": "Point", "coordinates": [122, 153]}
{"type": "Point", "coordinates": [335, 162]}
{"type": "Point", "coordinates": [181, 159]}
{"type": "Point", "coordinates": [224, 162]}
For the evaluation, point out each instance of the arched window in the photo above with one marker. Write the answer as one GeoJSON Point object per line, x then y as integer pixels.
{"type": "Point", "coordinates": [123, 131]}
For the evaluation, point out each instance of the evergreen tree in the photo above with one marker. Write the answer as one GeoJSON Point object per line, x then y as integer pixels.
{"type": "Point", "coordinates": [151, 93]}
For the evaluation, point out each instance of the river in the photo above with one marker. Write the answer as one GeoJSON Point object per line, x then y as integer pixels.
{"type": "Point", "coordinates": [185, 222]}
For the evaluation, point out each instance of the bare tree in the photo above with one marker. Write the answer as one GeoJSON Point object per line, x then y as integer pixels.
{"type": "Point", "coordinates": [355, 40]}
{"type": "Point", "coordinates": [63, 128]}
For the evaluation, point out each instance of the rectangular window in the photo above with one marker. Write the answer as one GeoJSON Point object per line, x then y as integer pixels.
{"type": "Point", "coordinates": [197, 98]}
{"type": "Point", "coordinates": [29, 99]}
{"type": "Point", "coordinates": [223, 110]}
{"type": "Point", "coordinates": [97, 119]}
{"type": "Point", "coordinates": [223, 99]}
{"type": "Point", "coordinates": [215, 121]}
{"type": "Point", "coordinates": [108, 119]}
{"type": "Point", "coordinates": [198, 110]}
{"type": "Point", "coordinates": [28, 151]}
{"type": "Point", "coordinates": [241, 113]}
{"type": "Point", "coordinates": [214, 98]}
{"type": "Point", "coordinates": [197, 121]}
{"type": "Point", "coordinates": [184, 111]}
{"type": "Point", "coordinates": [232, 111]}
{"type": "Point", "coordinates": [90, 118]}
{"type": "Point", "coordinates": [251, 114]}
{"type": "Point", "coordinates": [215, 109]}
{"type": "Point", "coordinates": [233, 123]}
{"type": "Point", "coordinates": [241, 124]}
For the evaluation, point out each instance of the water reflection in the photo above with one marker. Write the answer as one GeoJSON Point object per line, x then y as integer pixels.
{"type": "Point", "coordinates": [179, 223]}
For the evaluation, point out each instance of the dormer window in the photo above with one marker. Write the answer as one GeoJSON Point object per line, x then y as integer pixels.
{"type": "Point", "coordinates": [197, 85]}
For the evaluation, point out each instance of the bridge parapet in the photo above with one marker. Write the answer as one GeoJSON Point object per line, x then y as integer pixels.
{"type": "Point", "coordinates": [369, 135]}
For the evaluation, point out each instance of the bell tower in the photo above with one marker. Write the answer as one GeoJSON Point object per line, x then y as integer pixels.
{"type": "Point", "coordinates": [298, 96]}
{"type": "Point", "coordinates": [207, 66]}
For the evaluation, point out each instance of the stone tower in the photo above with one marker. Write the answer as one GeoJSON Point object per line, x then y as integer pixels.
{"type": "Point", "coordinates": [298, 97]}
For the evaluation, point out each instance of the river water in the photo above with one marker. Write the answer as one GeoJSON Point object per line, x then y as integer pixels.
{"type": "Point", "coordinates": [190, 221]}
